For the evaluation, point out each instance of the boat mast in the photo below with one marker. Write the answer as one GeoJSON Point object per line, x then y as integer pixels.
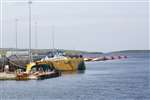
{"type": "Point", "coordinates": [16, 29]}
{"type": "Point", "coordinates": [30, 53]}
{"type": "Point", "coordinates": [1, 33]}
{"type": "Point", "coordinates": [53, 42]}
{"type": "Point", "coordinates": [36, 36]}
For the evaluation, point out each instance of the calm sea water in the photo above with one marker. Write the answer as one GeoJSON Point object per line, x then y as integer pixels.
{"type": "Point", "coordinates": [126, 79]}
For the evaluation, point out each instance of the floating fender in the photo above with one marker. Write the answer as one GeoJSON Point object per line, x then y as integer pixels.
{"type": "Point", "coordinates": [125, 57]}
{"type": "Point", "coordinates": [119, 57]}
{"type": "Point", "coordinates": [112, 57]}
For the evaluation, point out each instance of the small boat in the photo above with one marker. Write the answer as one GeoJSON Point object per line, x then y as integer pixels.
{"type": "Point", "coordinates": [87, 59]}
{"type": "Point", "coordinates": [38, 71]}
{"type": "Point", "coordinates": [98, 59]}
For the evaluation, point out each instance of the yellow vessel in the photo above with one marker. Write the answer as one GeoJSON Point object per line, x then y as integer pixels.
{"type": "Point", "coordinates": [38, 70]}
{"type": "Point", "coordinates": [61, 63]}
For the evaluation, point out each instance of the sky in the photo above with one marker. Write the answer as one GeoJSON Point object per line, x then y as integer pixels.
{"type": "Point", "coordinates": [86, 25]}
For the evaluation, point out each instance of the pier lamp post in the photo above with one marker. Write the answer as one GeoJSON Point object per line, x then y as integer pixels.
{"type": "Point", "coordinates": [16, 36]}
{"type": "Point", "coordinates": [30, 52]}
{"type": "Point", "coordinates": [1, 23]}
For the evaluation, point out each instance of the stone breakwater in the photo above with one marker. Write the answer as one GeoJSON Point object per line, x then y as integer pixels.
{"type": "Point", "coordinates": [104, 58]}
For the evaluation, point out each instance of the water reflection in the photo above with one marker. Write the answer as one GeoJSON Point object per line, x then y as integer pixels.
{"type": "Point", "coordinates": [73, 72]}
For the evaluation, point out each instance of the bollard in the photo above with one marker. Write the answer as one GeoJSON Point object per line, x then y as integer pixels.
{"type": "Point", "coordinates": [6, 68]}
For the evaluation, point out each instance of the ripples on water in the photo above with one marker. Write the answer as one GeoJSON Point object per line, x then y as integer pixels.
{"type": "Point", "coordinates": [111, 80]}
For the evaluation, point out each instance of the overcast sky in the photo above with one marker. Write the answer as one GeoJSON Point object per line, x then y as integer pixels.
{"type": "Point", "coordinates": [91, 26]}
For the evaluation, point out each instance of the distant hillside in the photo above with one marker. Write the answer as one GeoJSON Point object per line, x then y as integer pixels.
{"type": "Point", "coordinates": [46, 51]}
{"type": "Point", "coordinates": [80, 52]}
{"type": "Point", "coordinates": [132, 51]}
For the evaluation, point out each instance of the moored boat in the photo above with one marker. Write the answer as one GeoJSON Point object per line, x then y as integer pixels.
{"type": "Point", "coordinates": [51, 67]}
{"type": "Point", "coordinates": [35, 71]}
{"type": "Point", "coordinates": [65, 63]}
